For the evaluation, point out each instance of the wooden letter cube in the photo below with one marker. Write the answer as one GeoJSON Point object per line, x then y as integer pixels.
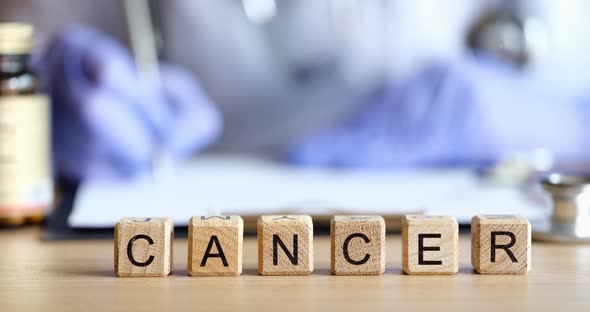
{"type": "Point", "coordinates": [501, 244]}
{"type": "Point", "coordinates": [357, 245]}
{"type": "Point", "coordinates": [285, 245]}
{"type": "Point", "coordinates": [430, 244]}
{"type": "Point", "coordinates": [215, 245]}
{"type": "Point", "coordinates": [143, 246]}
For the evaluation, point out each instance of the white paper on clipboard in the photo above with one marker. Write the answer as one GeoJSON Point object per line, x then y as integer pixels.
{"type": "Point", "coordinates": [249, 186]}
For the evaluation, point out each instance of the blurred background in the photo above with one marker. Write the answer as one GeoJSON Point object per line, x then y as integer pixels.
{"type": "Point", "coordinates": [499, 87]}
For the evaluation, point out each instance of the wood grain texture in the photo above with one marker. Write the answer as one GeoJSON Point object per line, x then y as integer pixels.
{"type": "Point", "coordinates": [143, 246]}
{"type": "Point", "coordinates": [215, 245]}
{"type": "Point", "coordinates": [357, 245]}
{"type": "Point", "coordinates": [285, 245]}
{"type": "Point", "coordinates": [430, 244]}
{"type": "Point", "coordinates": [78, 276]}
{"type": "Point", "coordinates": [501, 244]}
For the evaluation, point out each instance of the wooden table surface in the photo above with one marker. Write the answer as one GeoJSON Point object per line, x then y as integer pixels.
{"type": "Point", "coordinates": [78, 276]}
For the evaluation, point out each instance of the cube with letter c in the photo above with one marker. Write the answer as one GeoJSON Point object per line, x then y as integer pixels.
{"type": "Point", "coordinates": [143, 246]}
{"type": "Point", "coordinates": [430, 244]}
{"type": "Point", "coordinates": [357, 245]}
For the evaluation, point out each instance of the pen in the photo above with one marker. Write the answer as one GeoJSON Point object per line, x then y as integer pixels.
{"type": "Point", "coordinates": [143, 44]}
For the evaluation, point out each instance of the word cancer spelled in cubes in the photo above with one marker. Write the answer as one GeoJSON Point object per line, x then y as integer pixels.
{"type": "Point", "coordinates": [500, 244]}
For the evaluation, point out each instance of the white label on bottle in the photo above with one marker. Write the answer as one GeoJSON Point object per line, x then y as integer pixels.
{"type": "Point", "coordinates": [25, 160]}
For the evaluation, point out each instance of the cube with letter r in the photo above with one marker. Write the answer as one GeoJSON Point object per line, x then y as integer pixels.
{"type": "Point", "coordinates": [500, 244]}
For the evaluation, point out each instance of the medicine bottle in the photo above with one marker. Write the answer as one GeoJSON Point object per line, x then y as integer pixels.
{"type": "Point", "coordinates": [26, 184]}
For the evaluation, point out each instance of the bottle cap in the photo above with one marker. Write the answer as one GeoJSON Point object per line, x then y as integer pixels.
{"type": "Point", "coordinates": [16, 38]}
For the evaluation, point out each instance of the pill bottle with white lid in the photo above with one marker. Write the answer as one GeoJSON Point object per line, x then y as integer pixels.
{"type": "Point", "coordinates": [26, 183]}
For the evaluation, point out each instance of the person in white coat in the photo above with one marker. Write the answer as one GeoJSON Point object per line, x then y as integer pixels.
{"type": "Point", "coordinates": [330, 83]}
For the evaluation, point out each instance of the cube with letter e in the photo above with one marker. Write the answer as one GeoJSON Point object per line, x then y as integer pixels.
{"type": "Point", "coordinates": [143, 246]}
{"type": "Point", "coordinates": [215, 245]}
{"type": "Point", "coordinates": [500, 244]}
{"type": "Point", "coordinates": [430, 244]}
{"type": "Point", "coordinates": [285, 245]}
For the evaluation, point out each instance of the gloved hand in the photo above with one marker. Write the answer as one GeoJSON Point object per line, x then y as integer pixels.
{"type": "Point", "coordinates": [109, 121]}
{"type": "Point", "coordinates": [472, 112]}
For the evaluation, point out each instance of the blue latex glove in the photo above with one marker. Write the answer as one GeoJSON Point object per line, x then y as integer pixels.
{"type": "Point", "coordinates": [469, 113]}
{"type": "Point", "coordinates": [108, 120]}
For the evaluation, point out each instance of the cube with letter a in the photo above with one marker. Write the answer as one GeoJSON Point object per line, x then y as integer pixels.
{"type": "Point", "coordinates": [357, 245]}
{"type": "Point", "coordinates": [430, 244]}
{"type": "Point", "coordinates": [285, 245]}
{"type": "Point", "coordinates": [215, 245]}
{"type": "Point", "coordinates": [143, 246]}
{"type": "Point", "coordinates": [500, 244]}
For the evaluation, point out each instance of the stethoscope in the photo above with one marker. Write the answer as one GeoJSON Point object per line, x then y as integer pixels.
{"type": "Point", "coordinates": [570, 219]}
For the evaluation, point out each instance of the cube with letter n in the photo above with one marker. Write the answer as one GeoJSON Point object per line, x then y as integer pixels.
{"type": "Point", "coordinates": [285, 245]}
{"type": "Point", "coordinates": [500, 244]}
